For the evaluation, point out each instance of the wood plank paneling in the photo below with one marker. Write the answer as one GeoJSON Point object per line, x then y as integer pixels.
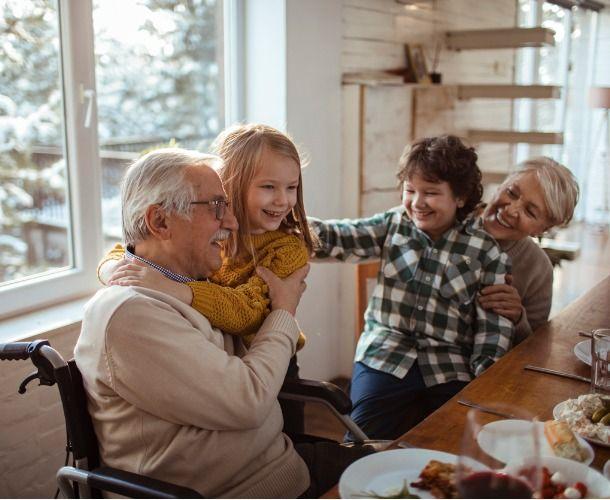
{"type": "Point", "coordinates": [387, 130]}
{"type": "Point", "coordinates": [374, 32]}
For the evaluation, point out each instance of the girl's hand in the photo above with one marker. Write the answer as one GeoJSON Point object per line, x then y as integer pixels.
{"type": "Point", "coordinates": [107, 269]}
{"type": "Point", "coordinates": [502, 299]}
{"type": "Point", "coordinates": [136, 273]}
{"type": "Point", "coordinates": [285, 293]}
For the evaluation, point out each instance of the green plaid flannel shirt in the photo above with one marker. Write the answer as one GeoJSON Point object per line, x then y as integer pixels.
{"type": "Point", "coordinates": [424, 304]}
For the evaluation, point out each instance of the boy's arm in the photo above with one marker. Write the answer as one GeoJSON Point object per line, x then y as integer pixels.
{"type": "Point", "coordinates": [494, 333]}
{"type": "Point", "coordinates": [536, 303]}
{"type": "Point", "coordinates": [352, 240]}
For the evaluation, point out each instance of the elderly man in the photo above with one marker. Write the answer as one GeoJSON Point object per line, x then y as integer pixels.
{"type": "Point", "coordinates": [170, 396]}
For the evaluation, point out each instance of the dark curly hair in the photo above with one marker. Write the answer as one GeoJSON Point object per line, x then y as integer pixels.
{"type": "Point", "coordinates": [445, 159]}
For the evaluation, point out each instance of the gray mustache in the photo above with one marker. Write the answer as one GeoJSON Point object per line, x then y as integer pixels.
{"type": "Point", "coordinates": [221, 235]}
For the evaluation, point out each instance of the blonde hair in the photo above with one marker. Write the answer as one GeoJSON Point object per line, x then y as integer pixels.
{"type": "Point", "coordinates": [158, 178]}
{"type": "Point", "coordinates": [559, 186]}
{"type": "Point", "coordinates": [241, 148]}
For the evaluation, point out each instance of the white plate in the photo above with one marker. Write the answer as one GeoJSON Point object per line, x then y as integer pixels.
{"type": "Point", "coordinates": [598, 486]}
{"type": "Point", "coordinates": [557, 411]}
{"type": "Point", "coordinates": [582, 350]}
{"type": "Point", "coordinates": [491, 442]}
{"type": "Point", "coordinates": [385, 472]}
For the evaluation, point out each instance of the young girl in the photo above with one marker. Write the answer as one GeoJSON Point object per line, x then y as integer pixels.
{"type": "Point", "coordinates": [425, 336]}
{"type": "Point", "coordinates": [261, 173]}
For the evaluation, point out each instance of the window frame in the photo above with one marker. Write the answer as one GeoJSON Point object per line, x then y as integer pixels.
{"type": "Point", "coordinates": [82, 154]}
{"type": "Point", "coordinates": [83, 175]}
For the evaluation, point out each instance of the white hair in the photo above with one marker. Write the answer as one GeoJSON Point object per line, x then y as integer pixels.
{"type": "Point", "coordinates": [158, 178]}
{"type": "Point", "coordinates": [559, 186]}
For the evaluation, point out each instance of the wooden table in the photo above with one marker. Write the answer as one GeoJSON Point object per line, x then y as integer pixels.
{"type": "Point", "coordinates": [506, 382]}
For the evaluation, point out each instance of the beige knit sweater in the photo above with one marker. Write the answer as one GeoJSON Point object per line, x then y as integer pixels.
{"type": "Point", "coordinates": [173, 398]}
{"type": "Point", "coordinates": [533, 278]}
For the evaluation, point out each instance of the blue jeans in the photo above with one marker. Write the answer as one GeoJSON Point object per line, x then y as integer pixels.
{"type": "Point", "coordinates": [385, 407]}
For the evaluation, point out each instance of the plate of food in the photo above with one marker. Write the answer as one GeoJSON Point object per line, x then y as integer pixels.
{"type": "Point", "coordinates": [582, 350]}
{"type": "Point", "coordinates": [587, 415]}
{"type": "Point", "coordinates": [562, 478]}
{"type": "Point", "coordinates": [554, 438]}
{"type": "Point", "coordinates": [401, 474]}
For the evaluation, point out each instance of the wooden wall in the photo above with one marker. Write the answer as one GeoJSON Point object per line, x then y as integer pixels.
{"type": "Point", "coordinates": [374, 32]}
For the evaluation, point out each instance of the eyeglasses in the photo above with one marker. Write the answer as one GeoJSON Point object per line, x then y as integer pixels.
{"type": "Point", "coordinates": [220, 206]}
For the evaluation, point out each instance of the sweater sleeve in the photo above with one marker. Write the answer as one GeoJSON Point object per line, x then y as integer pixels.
{"type": "Point", "coordinates": [242, 309]}
{"type": "Point", "coordinates": [536, 300]}
{"type": "Point", "coordinates": [151, 346]}
{"type": "Point", "coordinates": [522, 327]}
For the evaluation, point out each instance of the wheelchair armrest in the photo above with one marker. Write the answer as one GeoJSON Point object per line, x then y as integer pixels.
{"type": "Point", "coordinates": [314, 390]}
{"type": "Point", "coordinates": [124, 483]}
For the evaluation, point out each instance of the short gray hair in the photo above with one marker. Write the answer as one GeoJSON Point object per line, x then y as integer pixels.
{"type": "Point", "coordinates": [158, 177]}
{"type": "Point", "coordinates": [559, 186]}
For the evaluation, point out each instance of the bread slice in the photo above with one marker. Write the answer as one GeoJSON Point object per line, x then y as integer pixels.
{"type": "Point", "coordinates": [563, 441]}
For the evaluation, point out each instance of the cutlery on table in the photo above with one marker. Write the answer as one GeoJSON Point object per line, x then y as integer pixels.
{"type": "Point", "coordinates": [405, 444]}
{"type": "Point", "coordinates": [485, 409]}
{"type": "Point", "coordinates": [573, 376]}
{"type": "Point", "coordinates": [585, 334]}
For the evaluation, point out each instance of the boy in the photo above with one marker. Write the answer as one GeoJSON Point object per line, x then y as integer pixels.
{"type": "Point", "coordinates": [425, 336]}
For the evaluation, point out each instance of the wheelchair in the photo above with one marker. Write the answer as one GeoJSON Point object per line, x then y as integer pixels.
{"type": "Point", "coordinates": [87, 477]}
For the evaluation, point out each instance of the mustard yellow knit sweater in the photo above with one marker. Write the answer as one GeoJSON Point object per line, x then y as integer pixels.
{"type": "Point", "coordinates": [236, 299]}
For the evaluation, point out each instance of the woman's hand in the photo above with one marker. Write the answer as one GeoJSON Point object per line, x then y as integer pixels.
{"type": "Point", "coordinates": [502, 299]}
{"type": "Point", "coordinates": [136, 273]}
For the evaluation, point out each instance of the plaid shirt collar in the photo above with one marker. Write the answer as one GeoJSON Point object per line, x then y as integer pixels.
{"type": "Point", "coordinates": [129, 254]}
{"type": "Point", "coordinates": [466, 226]}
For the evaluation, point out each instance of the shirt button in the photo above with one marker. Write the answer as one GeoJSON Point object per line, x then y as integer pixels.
{"type": "Point", "coordinates": [420, 308]}
{"type": "Point", "coordinates": [427, 278]}
{"type": "Point", "coordinates": [467, 260]}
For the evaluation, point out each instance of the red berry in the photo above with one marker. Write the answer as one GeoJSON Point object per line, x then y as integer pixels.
{"type": "Point", "coordinates": [582, 488]}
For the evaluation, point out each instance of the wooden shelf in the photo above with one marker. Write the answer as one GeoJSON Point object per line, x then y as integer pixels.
{"type": "Point", "coordinates": [513, 137]}
{"type": "Point", "coordinates": [500, 38]}
{"type": "Point", "coordinates": [372, 78]}
{"type": "Point", "coordinates": [508, 92]}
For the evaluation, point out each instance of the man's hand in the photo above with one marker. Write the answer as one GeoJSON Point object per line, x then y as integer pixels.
{"type": "Point", "coordinates": [285, 293]}
{"type": "Point", "coordinates": [502, 299]}
{"type": "Point", "coordinates": [136, 273]}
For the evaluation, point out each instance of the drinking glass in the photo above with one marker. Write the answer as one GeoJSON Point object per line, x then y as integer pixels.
{"type": "Point", "coordinates": [488, 444]}
{"type": "Point", "coordinates": [600, 361]}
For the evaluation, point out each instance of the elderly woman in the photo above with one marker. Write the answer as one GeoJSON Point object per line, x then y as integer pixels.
{"type": "Point", "coordinates": [539, 196]}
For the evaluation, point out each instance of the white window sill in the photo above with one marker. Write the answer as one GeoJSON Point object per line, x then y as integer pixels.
{"type": "Point", "coordinates": [43, 322]}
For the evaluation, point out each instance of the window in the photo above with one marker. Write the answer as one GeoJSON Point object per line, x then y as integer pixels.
{"type": "Point", "coordinates": [543, 66]}
{"type": "Point", "coordinates": [571, 65]}
{"type": "Point", "coordinates": [33, 174]}
{"type": "Point", "coordinates": [157, 68]}
{"type": "Point", "coordinates": [85, 87]}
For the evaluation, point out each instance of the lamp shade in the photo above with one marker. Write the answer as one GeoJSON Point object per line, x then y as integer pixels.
{"type": "Point", "coordinates": [599, 97]}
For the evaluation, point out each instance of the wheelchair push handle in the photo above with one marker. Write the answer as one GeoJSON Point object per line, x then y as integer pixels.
{"type": "Point", "coordinates": [40, 353]}
{"type": "Point", "coordinates": [20, 350]}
